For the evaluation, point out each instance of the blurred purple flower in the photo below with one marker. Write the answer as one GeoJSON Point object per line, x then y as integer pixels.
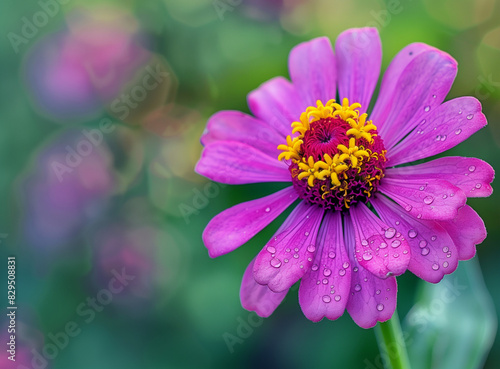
{"type": "Point", "coordinates": [73, 73]}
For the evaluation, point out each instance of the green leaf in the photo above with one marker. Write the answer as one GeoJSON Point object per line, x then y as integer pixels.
{"type": "Point", "coordinates": [453, 324]}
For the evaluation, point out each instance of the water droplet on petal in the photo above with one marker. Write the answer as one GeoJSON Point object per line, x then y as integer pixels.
{"type": "Point", "coordinates": [345, 265]}
{"type": "Point", "coordinates": [295, 256]}
{"type": "Point", "coordinates": [342, 272]}
{"type": "Point", "coordinates": [276, 263]}
{"type": "Point", "coordinates": [378, 292]}
{"type": "Point", "coordinates": [364, 243]}
{"type": "Point", "coordinates": [433, 238]}
{"type": "Point", "coordinates": [390, 233]}
{"type": "Point", "coordinates": [396, 243]}
{"type": "Point", "coordinates": [327, 298]}
{"type": "Point", "coordinates": [367, 256]}
{"type": "Point", "coordinates": [306, 234]}
{"type": "Point", "coordinates": [445, 264]}
{"type": "Point", "coordinates": [327, 272]}
{"type": "Point", "coordinates": [472, 168]}
{"type": "Point", "coordinates": [446, 249]}
{"type": "Point", "coordinates": [470, 116]}
{"type": "Point", "coordinates": [296, 249]}
{"type": "Point", "coordinates": [287, 249]}
{"type": "Point", "coordinates": [311, 248]}
{"type": "Point", "coordinates": [419, 216]}
{"type": "Point", "coordinates": [423, 121]}
{"type": "Point", "coordinates": [427, 108]}
{"type": "Point", "coordinates": [314, 267]}
{"type": "Point", "coordinates": [271, 249]}
{"type": "Point", "coordinates": [478, 185]}
{"type": "Point", "coordinates": [268, 210]}
{"type": "Point", "coordinates": [435, 266]}
{"type": "Point", "coordinates": [422, 244]}
{"type": "Point", "coordinates": [422, 188]}
{"type": "Point", "coordinates": [445, 196]}
{"type": "Point", "coordinates": [458, 131]}
{"type": "Point", "coordinates": [325, 280]}
{"type": "Point", "coordinates": [428, 200]}
{"type": "Point", "coordinates": [337, 298]}
{"type": "Point", "coordinates": [408, 207]}
{"type": "Point", "coordinates": [438, 138]}
{"type": "Point", "coordinates": [383, 245]}
{"type": "Point", "coordinates": [433, 96]}
{"type": "Point", "coordinates": [425, 251]}
{"type": "Point", "coordinates": [380, 307]}
{"type": "Point", "coordinates": [355, 270]}
{"type": "Point", "coordinates": [285, 260]}
{"type": "Point", "coordinates": [331, 255]}
{"type": "Point", "coordinates": [357, 287]}
{"type": "Point", "coordinates": [412, 233]}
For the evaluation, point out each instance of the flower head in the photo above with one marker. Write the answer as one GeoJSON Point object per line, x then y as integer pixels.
{"type": "Point", "coordinates": [365, 215]}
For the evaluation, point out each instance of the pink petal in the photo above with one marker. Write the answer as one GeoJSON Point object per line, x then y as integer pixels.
{"type": "Point", "coordinates": [312, 70]}
{"type": "Point", "coordinates": [413, 87]}
{"type": "Point", "coordinates": [359, 56]}
{"type": "Point", "coordinates": [234, 162]}
{"type": "Point", "coordinates": [258, 298]}
{"type": "Point", "coordinates": [378, 250]}
{"type": "Point", "coordinates": [424, 198]}
{"type": "Point", "coordinates": [288, 255]}
{"type": "Point", "coordinates": [236, 126]}
{"type": "Point", "coordinates": [277, 103]}
{"type": "Point", "coordinates": [236, 225]}
{"type": "Point", "coordinates": [433, 252]}
{"type": "Point", "coordinates": [324, 289]}
{"type": "Point", "coordinates": [467, 230]}
{"type": "Point", "coordinates": [372, 299]}
{"type": "Point", "coordinates": [445, 127]}
{"type": "Point", "coordinates": [471, 175]}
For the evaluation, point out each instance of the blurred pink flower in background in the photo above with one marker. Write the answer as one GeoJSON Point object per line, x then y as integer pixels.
{"type": "Point", "coordinates": [73, 73]}
{"type": "Point", "coordinates": [65, 190]}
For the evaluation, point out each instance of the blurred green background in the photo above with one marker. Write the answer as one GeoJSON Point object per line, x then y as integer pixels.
{"type": "Point", "coordinates": [138, 80]}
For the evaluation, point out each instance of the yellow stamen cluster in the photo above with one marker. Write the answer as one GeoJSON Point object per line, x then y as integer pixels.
{"type": "Point", "coordinates": [333, 168]}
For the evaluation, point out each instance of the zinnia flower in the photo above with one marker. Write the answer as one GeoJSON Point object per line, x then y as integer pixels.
{"type": "Point", "coordinates": [365, 215]}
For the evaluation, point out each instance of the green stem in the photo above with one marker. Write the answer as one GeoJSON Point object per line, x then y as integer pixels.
{"type": "Point", "coordinates": [391, 343]}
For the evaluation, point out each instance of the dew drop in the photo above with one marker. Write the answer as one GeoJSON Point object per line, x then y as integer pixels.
{"type": "Point", "coordinates": [285, 260]}
{"type": "Point", "coordinates": [383, 245]}
{"type": "Point", "coordinates": [446, 249]}
{"type": "Point", "coordinates": [470, 116]}
{"type": "Point", "coordinates": [271, 249]}
{"type": "Point", "coordinates": [396, 256]}
{"type": "Point", "coordinates": [445, 196]}
{"type": "Point", "coordinates": [364, 243]}
{"type": "Point", "coordinates": [337, 298]}
{"type": "Point", "coordinates": [433, 238]}
{"type": "Point", "coordinates": [306, 234]}
{"type": "Point", "coordinates": [355, 270]}
{"type": "Point", "coordinates": [422, 188]}
{"type": "Point", "coordinates": [412, 233]}
{"type": "Point", "coordinates": [396, 243]}
{"type": "Point", "coordinates": [425, 251]}
{"type": "Point", "coordinates": [378, 292]}
{"type": "Point", "coordinates": [357, 287]}
{"type": "Point", "coordinates": [367, 257]}
{"type": "Point", "coordinates": [422, 244]}
{"type": "Point", "coordinates": [327, 298]}
{"type": "Point", "coordinates": [397, 222]}
{"type": "Point", "coordinates": [433, 96]}
{"type": "Point", "coordinates": [408, 207]}
{"type": "Point", "coordinates": [478, 185]}
{"type": "Point", "coordinates": [325, 280]}
{"type": "Point", "coordinates": [419, 216]}
{"type": "Point", "coordinates": [311, 248]}
{"type": "Point", "coordinates": [458, 131]}
{"type": "Point", "coordinates": [331, 255]}
{"type": "Point", "coordinates": [460, 111]}
{"type": "Point", "coordinates": [309, 259]}
{"type": "Point", "coordinates": [423, 121]}
{"type": "Point", "coordinates": [380, 307]}
{"type": "Point", "coordinates": [342, 272]}
{"type": "Point", "coordinates": [428, 200]}
{"type": "Point", "coordinates": [268, 210]}
{"type": "Point", "coordinates": [295, 256]}
{"type": "Point", "coordinates": [427, 108]}
{"type": "Point", "coordinates": [327, 272]}
{"type": "Point", "coordinates": [435, 266]}
{"type": "Point", "coordinates": [443, 137]}
{"type": "Point", "coordinates": [296, 249]}
{"type": "Point", "coordinates": [275, 263]}
{"type": "Point", "coordinates": [390, 233]}
{"type": "Point", "coordinates": [318, 281]}
{"type": "Point", "coordinates": [314, 267]}
{"type": "Point", "coordinates": [345, 265]}
{"type": "Point", "coordinates": [445, 264]}
{"type": "Point", "coordinates": [472, 168]}
{"type": "Point", "coordinates": [438, 138]}
{"type": "Point", "coordinates": [287, 249]}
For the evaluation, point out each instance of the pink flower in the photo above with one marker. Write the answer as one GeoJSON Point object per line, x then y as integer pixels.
{"type": "Point", "coordinates": [364, 215]}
